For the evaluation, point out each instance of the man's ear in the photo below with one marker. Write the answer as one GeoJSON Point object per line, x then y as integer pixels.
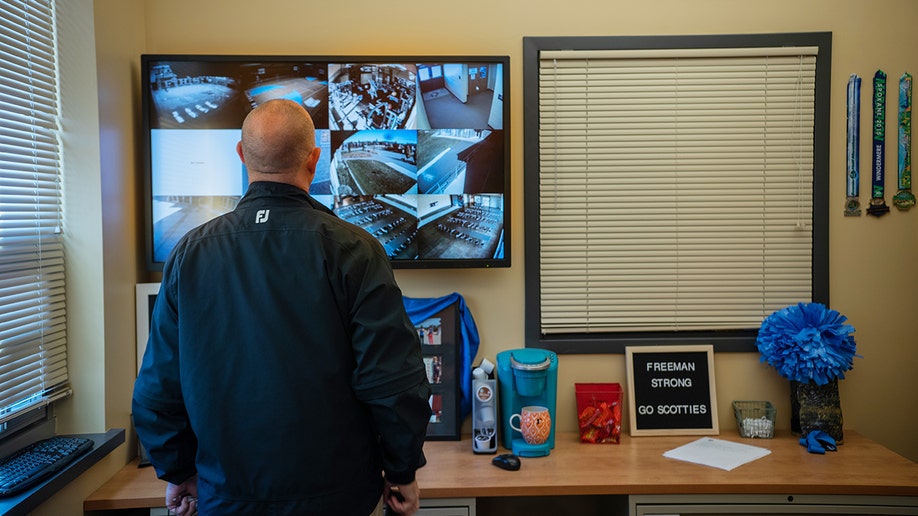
{"type": "Point", "coordinates": [312, 160]}
{"type": "Point", "coordinates": [239, 151]}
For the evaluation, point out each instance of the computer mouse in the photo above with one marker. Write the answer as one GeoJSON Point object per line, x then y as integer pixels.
{"type": "Point", "coordinates": [507, 461]}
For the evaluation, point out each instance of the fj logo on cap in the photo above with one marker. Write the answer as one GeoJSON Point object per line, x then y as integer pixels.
{"type": "Point", "coordinates": [262, 216]}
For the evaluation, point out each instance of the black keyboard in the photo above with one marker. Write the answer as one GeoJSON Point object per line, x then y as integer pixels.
{"type": "Point", "coordinates": [37, 461]}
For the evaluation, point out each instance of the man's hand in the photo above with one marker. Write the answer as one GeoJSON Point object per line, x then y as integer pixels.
{"type": "Point", "coordinates": [403, 498]}
{"type": "Point", "coordinates": [182, 499]}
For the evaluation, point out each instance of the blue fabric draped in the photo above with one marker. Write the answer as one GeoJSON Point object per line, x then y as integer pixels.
{"type": "Point", "coordinates": [421, 309]}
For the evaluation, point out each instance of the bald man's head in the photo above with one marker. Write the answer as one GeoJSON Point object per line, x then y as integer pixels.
{"type": "Point", "coordinates": [277, 138]}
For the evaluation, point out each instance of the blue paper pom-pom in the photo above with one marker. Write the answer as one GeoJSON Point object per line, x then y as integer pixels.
{"type": "Point", "coordinates": [807, 342]}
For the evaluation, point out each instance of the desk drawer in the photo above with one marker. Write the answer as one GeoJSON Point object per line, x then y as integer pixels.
{"type": "Point", "coordinates": [447, 507]}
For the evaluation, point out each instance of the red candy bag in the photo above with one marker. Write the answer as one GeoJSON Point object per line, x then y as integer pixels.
{"type": "Point", "coordinates": [599, 409]}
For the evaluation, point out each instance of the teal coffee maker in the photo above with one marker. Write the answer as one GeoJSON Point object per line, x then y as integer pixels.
{"type": "Point", "coordinates": [526, 377]}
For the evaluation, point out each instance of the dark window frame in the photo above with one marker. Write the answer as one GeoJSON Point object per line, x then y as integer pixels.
{"type": "Point", "coordinates": [740, 340]}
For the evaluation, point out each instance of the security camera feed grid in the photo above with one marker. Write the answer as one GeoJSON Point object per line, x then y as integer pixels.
{"type": "Point", "coordinates": [413, 153]}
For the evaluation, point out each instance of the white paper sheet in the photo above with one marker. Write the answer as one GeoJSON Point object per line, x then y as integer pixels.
{"type": "Point", "coordinates": [717, 453]}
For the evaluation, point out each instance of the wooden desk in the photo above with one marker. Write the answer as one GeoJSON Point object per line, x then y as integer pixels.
{"type": "Point", "coordinates": [636, 466]}
{"type": "Point", "coordinates": [132, 487]}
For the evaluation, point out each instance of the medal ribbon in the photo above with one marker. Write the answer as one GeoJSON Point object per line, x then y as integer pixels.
{"type": "Point", "coordinates": [853, 154]}
{"type": "Point", "coordinates": [904, 198]}
{"type": "Point", "coordinates": [878, 205]}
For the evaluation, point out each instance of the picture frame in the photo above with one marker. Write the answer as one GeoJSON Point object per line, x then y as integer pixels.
{"type": "Point", "coordinates": [145, 297]}
{"type": "Point", "coordinates": [671, 390]}
{"type": "Point", "coordinates": [440, 338]}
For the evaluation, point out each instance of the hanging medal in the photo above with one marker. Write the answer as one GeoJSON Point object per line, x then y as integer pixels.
{"type": "Point", "coordinates": [853, 153]}
{"type": "Point", "coordinates": [878, 206]}
{"type": "Point", "coordinates": [904, 198]}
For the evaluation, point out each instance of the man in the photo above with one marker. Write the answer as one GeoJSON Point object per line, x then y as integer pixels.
{"type": "Point", "coordinates": [282, 374]}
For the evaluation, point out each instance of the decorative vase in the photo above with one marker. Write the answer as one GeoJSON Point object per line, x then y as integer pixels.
{"type": "Point", "coordinates": [816, 407]}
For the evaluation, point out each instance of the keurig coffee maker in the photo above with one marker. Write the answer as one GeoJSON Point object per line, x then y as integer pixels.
{"type": "Point", "coordinates": [527, 380]}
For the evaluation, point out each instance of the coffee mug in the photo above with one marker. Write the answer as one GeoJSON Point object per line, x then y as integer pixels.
{"type": "Point", "coordinates": [535, 424]}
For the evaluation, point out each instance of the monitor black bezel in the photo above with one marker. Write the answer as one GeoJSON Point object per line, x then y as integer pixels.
{"type": "Point", "coordinates": [420, 263]}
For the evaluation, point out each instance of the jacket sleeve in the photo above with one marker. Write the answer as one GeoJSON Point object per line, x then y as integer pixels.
{"type": "Point", "coordinates": [168, 440]}
{"type": "Point", "coordinates": [389, 376]}
{"type": "Point", "coordinates": [158, 409]}
{"type": "Point", "coordinates": [401, 420]}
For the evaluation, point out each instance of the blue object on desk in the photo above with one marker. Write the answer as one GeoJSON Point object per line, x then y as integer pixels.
{"type": "Point", "coordinates": [526, 377]}
{"type": "Point", "coordinates": [819, 442]}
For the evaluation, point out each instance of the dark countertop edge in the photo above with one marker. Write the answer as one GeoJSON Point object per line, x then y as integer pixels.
{"type": "Point", "coordinates": [29, 500]}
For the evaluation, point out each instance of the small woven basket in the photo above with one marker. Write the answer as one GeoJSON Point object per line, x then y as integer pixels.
{"type": "Point", "coordinates": [755, 418]}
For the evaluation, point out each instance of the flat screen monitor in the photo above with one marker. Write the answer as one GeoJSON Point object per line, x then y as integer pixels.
{"type": "Point", "coordinates": [415, 150]}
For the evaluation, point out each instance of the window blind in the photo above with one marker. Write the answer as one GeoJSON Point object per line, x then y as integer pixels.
{"type": "Point", "coordinates": [33, 358]}
{"type": "Point", "coordinates": [675, 187]}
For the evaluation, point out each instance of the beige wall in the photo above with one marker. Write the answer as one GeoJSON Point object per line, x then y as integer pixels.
{"type": "Point", "coordinates": [100, 226]}
{"type": "Point", "coordinates": [873, 277]}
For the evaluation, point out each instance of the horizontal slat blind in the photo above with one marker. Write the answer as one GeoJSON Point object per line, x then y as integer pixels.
{"type": "Point", "coordinates": [33, 357]}
{"type": "Point", "coordinates": [676, 193]}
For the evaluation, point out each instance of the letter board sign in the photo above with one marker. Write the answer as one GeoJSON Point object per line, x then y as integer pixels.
{"type": "Point", "coordinates": [672, 390]}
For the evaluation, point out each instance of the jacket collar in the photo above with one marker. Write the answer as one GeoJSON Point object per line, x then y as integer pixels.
{"type": "Point", "coordinates": [260, 190]}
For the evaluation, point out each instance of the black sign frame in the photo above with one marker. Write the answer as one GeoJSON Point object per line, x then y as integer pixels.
{"type": "Point", "coordinates": [671, 390]}
{"type": "Point", "coordinates": [441, 338]}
